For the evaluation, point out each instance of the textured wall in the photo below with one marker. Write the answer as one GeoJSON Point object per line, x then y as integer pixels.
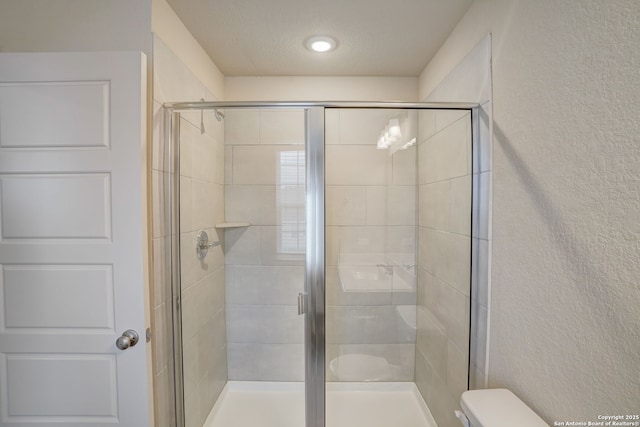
{"type": "Point", "coordinates": [564, 330]}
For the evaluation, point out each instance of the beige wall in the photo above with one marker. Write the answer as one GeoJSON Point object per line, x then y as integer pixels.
{"type": "Point", "coordinates": [166, 25]}
{"type": "Point", "coordinates": [564, 323]}
{"type": "Point", "coordinates": [75, 25]}
{"type": "Point", "coordinates": [321, 89]}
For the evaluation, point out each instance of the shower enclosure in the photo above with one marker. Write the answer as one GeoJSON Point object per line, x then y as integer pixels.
{"type": "Point", "coordinates": [321, 259]}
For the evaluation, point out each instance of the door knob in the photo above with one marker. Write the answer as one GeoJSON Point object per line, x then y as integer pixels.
{"type": "Point", "coordinates": [128, 339]}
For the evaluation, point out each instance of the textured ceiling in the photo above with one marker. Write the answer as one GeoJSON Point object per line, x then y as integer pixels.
{"type": "Point", "coordinates": [266, 37]}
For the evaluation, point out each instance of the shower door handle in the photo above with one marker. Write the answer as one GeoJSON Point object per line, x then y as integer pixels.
{"type": "Point", "coordinates": [302, 303]}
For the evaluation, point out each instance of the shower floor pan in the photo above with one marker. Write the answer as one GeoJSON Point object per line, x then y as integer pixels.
{"type": "Point", "coordinates": [281, 404]}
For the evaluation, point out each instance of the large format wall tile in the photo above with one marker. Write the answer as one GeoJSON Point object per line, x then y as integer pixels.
{"type": "Point", "coordinates": [371, 247]}
{"type": "Point", "coordinates": [446, 178]}
{"type": "Point", "coordinates": [264, 186]}
{"type": "Point", "coordinates": [356, 165]}
{"type": "Point", "coordinates": [201, 207]}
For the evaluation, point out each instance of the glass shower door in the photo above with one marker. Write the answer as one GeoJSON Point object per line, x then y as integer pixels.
{"type": "Point", "coordinates": [264, 262]}
{"type": "Point", "coordinates": [398, 196]}
{"type": "Point", "coordinates": [242, 181]}
{"type": "Point", "coordinates": [371, 261]}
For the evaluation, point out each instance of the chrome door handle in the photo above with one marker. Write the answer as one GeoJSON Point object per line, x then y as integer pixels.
{"type": "Point", "coordinates": [302, 303]}
{"type": "Point", "coordinates": [128, 339]}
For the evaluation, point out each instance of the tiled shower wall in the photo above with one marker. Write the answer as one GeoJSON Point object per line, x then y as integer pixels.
{"type": "Point", "coordinates": [438, 365]}
{"type": "Point", "coordinates": [202, 281]}
{"type": "Point", "coordinates": [371, 241]}
{"type": "Point", "coordinates": [444, 153]}
{"type": "Point", "coordinates": [201, 207]}
{"type": "Point", "coordinates": [264, 186]}
{"type": "Point", "coordinates": [371, 200]}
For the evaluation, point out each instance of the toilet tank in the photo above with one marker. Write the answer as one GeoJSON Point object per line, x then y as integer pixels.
{"type": "Point", "coordinates": [498, 407]}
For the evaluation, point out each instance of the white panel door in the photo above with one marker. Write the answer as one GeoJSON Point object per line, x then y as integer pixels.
{"type": "Point", "coordinates": [73, 239]}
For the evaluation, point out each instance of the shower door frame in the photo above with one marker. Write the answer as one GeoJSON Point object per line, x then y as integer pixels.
{"type": "Point", "coordinates": [314, 287]}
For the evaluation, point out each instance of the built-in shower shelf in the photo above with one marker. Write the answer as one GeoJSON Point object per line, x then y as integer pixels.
{"type": "Point", "coordinates": [232, 224]}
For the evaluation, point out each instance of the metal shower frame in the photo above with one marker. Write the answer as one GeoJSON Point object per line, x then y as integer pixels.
{"type": "Point", "coordinates": [315, 238]}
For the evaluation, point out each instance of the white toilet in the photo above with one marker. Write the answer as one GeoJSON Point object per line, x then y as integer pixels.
{"type": "Point", "coordinates": [496, 407]}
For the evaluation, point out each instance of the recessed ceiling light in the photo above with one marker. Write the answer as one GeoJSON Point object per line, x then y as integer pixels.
{"type": "Point", "coordinates": [321, 43]}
